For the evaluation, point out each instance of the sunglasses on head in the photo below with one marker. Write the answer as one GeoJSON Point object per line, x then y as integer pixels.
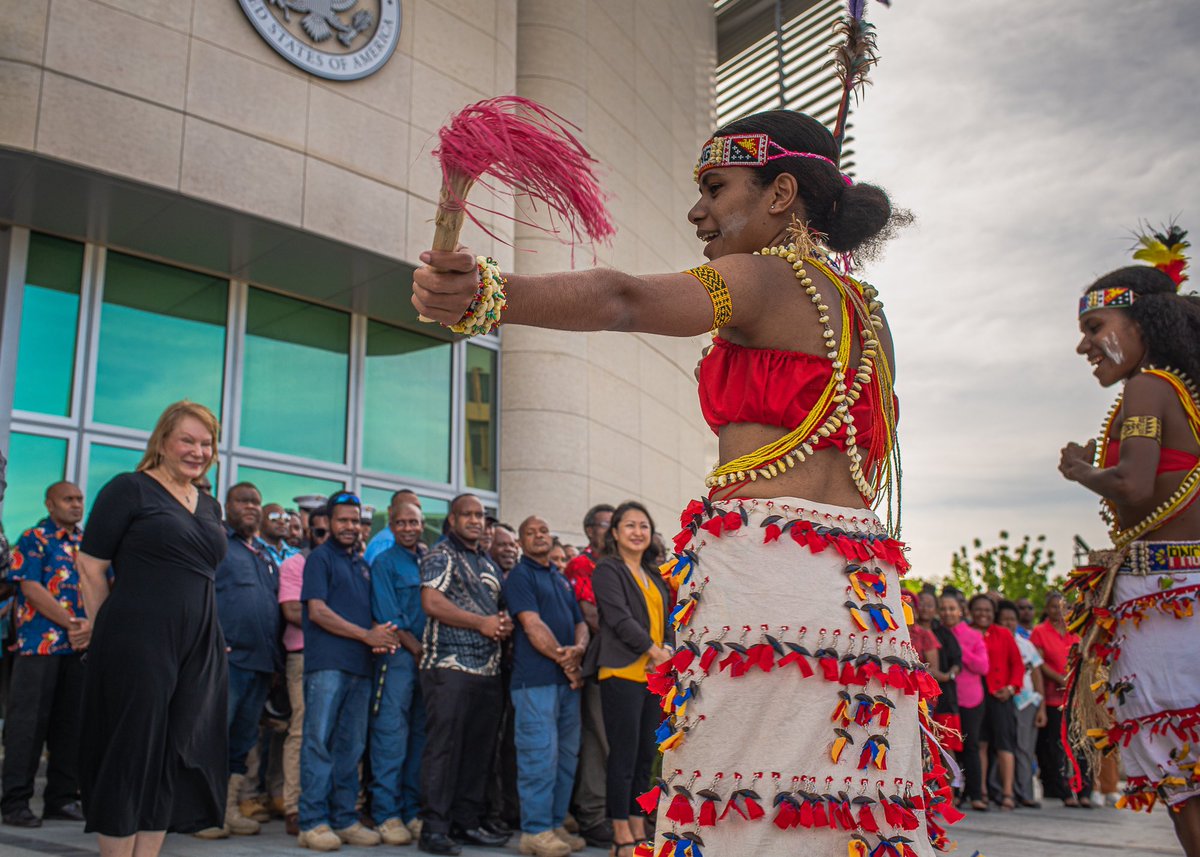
{"type": "Point", "coordinates": [344, 498]}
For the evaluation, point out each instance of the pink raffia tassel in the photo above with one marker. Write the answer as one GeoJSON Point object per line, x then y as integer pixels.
{"type": "Point", "coordinates": [527, 148]}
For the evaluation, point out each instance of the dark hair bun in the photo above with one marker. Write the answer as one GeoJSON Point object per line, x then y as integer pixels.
{"type": "Point", "coordinates": [860, 214]}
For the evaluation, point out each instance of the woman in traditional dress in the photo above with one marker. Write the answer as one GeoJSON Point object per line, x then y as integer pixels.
{"type": "Point", "coordinates": [797, 719]}
{"type": "Point", "coordinates": [1135, 615]}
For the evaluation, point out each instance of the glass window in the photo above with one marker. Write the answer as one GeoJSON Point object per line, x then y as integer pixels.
{"type": "Point", "coordinates": [406, 415]}
{"type": "Point", "coordinates": [479, 453]}
{"type": "Point", "coordinates": [295, 378]}
{"type": "Point", "coordinates": [49, 321]}
{"type": "Point", "coordinates": [34, 464]}
{"type": "Point", "coordinates": [162, 339]}
{"type": "Point", "coordinates": [105, 462]}
{"type": "Point", "coordinates": [278, 487]}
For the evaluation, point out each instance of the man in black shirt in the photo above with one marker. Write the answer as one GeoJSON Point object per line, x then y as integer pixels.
{"type": "Point", "coordinates": [460, 679]}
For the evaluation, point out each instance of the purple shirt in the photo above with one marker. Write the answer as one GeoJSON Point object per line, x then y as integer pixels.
{"type": "Point", "coordinates": [974, 665]}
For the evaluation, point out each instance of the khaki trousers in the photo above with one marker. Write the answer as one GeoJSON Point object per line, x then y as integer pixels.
{"type": "Point", "coordinates": [295, 733]}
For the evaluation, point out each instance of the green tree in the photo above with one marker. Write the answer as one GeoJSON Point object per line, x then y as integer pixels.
{"type": "Point", "coordinates": [1017, 571]}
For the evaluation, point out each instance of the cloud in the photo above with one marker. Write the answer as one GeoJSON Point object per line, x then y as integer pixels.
{"type": "Point", "coordinates": [1028, 138]}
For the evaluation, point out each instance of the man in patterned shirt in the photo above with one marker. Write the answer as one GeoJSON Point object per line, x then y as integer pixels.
{"type": "Point", "coordinates": [47, 679]}
{"type": "Point", "coordinates": [460, 680]}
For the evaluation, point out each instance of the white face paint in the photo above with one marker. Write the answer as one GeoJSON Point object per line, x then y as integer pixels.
{"type": "Point", "coordinates": [1111, 347]}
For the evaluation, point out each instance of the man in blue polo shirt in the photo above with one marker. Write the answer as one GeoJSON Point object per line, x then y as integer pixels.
{"type": "Point", "coordinates": [247, 585]}
{"type": "Point", "coordinates": [339, 638]}
{"type": "Point", "coordinates": [398, 711]}
{"type": "Point", "coordinates": [548, 644]}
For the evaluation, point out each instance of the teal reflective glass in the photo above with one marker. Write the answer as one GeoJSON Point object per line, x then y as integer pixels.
{"type": "Point", "coordinates": [278, 487]}
{"type": "Point", "coordinates": [406, 410]}
{"type": "Point", "coordinates": [479, 453]}
{"type": "Point", "coordinates": [162, 339]}
{"type": "Point", "coordinates": [105, 462]}
{"type": "Point", "coordinates": [49, 320]}
{"type": "Point", "coordinates": [295, 379]}
{"type": "Point", "coordinates": [34, 464]}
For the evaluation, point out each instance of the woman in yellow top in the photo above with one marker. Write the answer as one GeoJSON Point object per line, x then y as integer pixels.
{"type": "Point", "coordinates": [633, 601]}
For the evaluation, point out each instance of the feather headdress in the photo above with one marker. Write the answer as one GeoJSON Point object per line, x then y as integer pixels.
{"type": "Point", "coordinates": [853, 59]}
{"type": "Point", "coordinates": [1165, 249]}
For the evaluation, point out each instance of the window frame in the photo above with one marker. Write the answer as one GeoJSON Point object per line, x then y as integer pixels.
{"type": "Point", "coordinates": [80, 429]}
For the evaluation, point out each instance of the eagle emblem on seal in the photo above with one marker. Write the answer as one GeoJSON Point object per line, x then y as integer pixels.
{"type": "Point", "coordinates": [323, 18]}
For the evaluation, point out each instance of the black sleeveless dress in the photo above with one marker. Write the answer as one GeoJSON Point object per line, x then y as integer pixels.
{"type": "Point", "coordinates": [153, 745]}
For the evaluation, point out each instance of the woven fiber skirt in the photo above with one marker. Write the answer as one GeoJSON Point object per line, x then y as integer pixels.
{"type": "Point", "coordinates": [798, 718]}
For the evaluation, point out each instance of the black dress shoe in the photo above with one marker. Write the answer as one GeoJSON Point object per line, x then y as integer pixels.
{"type": "Point", "coordinates": [22, 817]}
{"type": "Point", "coordinates": [72, 811]}
{"type": "Point", "coordinates": [598, 835]}
{"type": "Point", "coordinates": [438, 843]}
{"type": "Point", "coordinates": [496, 826]}
{"type": "Point", "coordinates": [479, 836]}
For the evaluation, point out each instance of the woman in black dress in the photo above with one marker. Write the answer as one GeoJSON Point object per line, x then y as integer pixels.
{"type": "Point", "coordinates": [153, 748]}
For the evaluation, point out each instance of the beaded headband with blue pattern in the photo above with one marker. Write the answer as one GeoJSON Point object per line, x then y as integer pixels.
{"type": "Point", "coordinates": [1106, 298]}
{"type": "Point", "coordinates": [749, 150]}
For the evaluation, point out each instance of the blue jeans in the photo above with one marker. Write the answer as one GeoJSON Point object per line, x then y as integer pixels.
{"type": "Point", "coordinates": [546, 728]}
{"type": "Point", "coordinates": [397, 739]}
{"type": "Point", "coordinates": [335, 734]}
{"type": "Point", "coordinates": [248, 691]}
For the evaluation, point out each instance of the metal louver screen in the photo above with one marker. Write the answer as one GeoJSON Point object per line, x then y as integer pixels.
{"type": "Point", "coordinates": [775, 53]}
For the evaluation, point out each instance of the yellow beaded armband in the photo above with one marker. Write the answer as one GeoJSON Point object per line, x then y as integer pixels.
{"type": "Point", "coordinates": [718, 293]}
{"type": "Point", "coordinates": [1142, 427]}
{"type": "Point", "coordinates": [483, 315]}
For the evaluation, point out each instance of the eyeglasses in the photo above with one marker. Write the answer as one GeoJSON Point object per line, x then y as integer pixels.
{"type": "Point", "coordinates": [278, 516]}
{"type": "Point", "coordinates": [319, 532]}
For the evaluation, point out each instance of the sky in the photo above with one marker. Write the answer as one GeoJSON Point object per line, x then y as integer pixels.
{"type": "Point", "coordinates": [1028, 139]}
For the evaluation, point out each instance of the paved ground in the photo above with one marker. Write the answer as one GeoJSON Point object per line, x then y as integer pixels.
{"type": "Point", "coordinates": [1050, 832]}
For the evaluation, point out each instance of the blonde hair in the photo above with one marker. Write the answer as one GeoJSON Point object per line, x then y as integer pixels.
{"type": "Point", "coordinates": [168, 421]}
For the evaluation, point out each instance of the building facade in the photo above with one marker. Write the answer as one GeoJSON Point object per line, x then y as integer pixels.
{"type": "Point", "coordinates": [223, 200]}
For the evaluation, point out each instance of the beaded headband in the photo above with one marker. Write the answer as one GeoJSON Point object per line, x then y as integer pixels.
{"type": "Point", "coordinates": [1106, 298]}
{"type": "Point", "coordinates": [748, 150]}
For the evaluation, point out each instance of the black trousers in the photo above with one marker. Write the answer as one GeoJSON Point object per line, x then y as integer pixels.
{"type": "Point", "coordinates": [968, 757]}
{"type": "Point", "coordinates": [462, 719]}
{"type": "Point", "coordinates": [43, 709]}
{"type": "Point", "coordinates": [631, 715]}
{"type": "Point", "coordinates": [1053, 767]}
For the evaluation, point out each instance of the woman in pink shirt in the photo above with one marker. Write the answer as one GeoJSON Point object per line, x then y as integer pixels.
{"type": "Point", "coordinates": [969, 684]}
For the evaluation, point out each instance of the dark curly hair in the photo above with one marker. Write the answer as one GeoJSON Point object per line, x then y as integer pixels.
{"type": "Point", "coordinates": [1169, 321]}
{"type": "Point", "coordinates": [856, 217]}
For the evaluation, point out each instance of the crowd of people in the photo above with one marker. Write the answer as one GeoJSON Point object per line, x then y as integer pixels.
{"type": "Point", "coordinates": [382, 690]}
{"type": "Point", "coordinates": [1002, 675]}
{"type": "Point", "coordinates": [373, 689]}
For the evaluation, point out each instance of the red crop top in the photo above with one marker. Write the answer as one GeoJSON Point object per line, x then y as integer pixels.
{"type": "Point", "coordinates": [1169, 460]}
{"type": "Point", "coordinates": [772, 387]}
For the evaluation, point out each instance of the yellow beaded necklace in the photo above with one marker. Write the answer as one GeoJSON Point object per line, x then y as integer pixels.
{"type": "Point", "coordinates": [832, 409]}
